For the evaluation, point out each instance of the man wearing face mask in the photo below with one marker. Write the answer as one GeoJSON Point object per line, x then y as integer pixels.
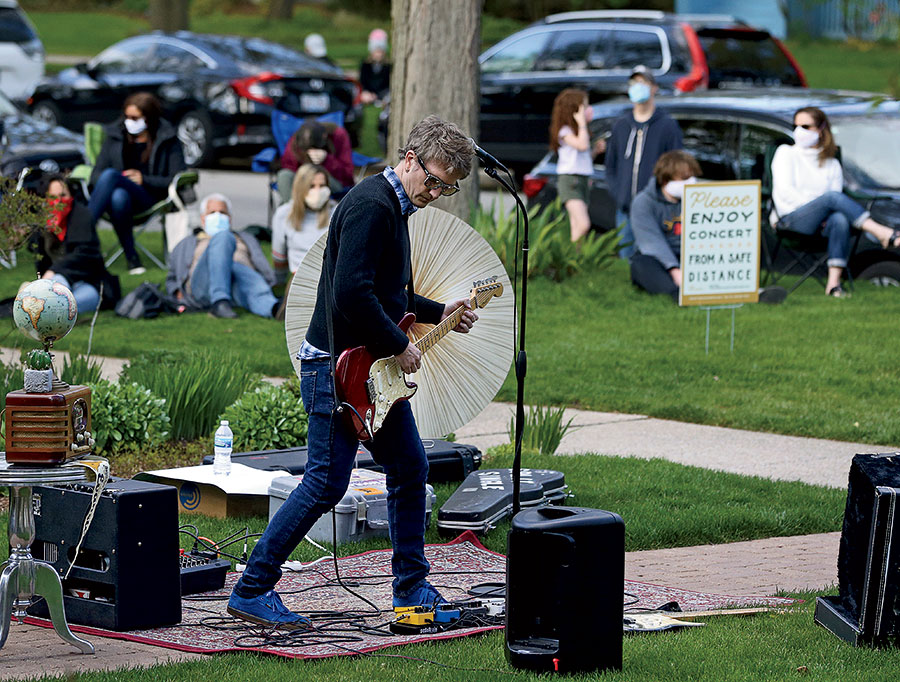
{"type": "Point", "coordinates": [656, 220]}
{"type": "Point", "coordinates": [637, 140]}
{"type": "Point", "coordinates": [215, 268]}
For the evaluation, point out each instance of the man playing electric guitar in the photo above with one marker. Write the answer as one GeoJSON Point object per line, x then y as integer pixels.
{"type": "Point", "coordinates": [370, 289]}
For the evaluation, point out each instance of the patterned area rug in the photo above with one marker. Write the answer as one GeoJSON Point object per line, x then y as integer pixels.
{"type": "Point", "coordinates": [346, 624]}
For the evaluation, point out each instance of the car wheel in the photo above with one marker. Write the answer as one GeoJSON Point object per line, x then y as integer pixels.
{"type": "Point", "coordinates": [195, 134]}
{"type": "Point", "coordinates": [47, 112]}
{"type": "Point", "coordinates": [885, 273]}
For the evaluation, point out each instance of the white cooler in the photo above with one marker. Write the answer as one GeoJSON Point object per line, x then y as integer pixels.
{"type": "Point", "coordinates": [361, 514]}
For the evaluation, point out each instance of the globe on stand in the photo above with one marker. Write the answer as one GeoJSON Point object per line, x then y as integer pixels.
{"type": "Point", "coordinates": [45, 311]}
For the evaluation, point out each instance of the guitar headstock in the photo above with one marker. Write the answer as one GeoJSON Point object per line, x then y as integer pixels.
{"type": "Point", "coordinates": [484, 290]}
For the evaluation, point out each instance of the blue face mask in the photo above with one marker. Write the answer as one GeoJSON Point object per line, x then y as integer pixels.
{"type": "Point", "coordinates": [639, 92]}
{"type": "Point", "coordinates": [216, 222]}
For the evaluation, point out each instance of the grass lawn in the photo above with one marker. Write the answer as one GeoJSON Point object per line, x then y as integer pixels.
{"type": "Point", "coordinates": [848, 65]}
{"type": "Point", "coordinates": [774, 646]}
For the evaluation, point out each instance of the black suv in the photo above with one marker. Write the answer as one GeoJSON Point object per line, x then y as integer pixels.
{"type": "Point", "coordinates": [597, 51]}
{"type": "Point", "coordinates": [731, 132]}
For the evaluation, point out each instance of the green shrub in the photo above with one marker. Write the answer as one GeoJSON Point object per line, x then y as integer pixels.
{"type": "Point", "coordinates": [543, 429]}
{"type": "Point", "coordinates": [81, 369]}
{"type": "Point", "coordinates": [551, 251]}
{"type": "Point", "coordinates": [268, 418]}
{"type": "Point", "coordinates": [126, 416]}
{"type": "Point", "coordinates": [12, 378]}
{"type": "Point", "coordinates": [197, 385]}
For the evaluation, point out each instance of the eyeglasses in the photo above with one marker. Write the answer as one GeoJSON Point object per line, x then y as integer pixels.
{"type": "Point", "coordinates": [434, 182]}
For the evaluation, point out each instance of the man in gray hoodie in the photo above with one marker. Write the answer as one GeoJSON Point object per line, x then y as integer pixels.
{"type": "Point", "coordinates": [656, 221]}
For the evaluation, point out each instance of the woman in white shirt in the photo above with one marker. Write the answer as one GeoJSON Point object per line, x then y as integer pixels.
{"type": "Point", "coordinates": [807, 181]}
{"type": "Point", "coordinates": [297, 224]}
{"type": "Point", "coordinates": [570, 138]}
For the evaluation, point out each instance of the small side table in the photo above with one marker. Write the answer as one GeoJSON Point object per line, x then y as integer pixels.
{"type": "Point", "coordinates": [22, 576]}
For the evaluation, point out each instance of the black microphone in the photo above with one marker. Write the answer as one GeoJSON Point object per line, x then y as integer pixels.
{"type": "Point", "coordinates": [487, 160]}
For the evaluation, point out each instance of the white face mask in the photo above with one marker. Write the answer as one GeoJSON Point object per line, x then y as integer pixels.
{"type": "Point", "coordinates": [216, 222]}
{"type": "Point", "coordinates": [316, 198]}
{"type": "Point", "coordinates": [675, 188]}
{"type": "Point", "coordinates": [805, 138]}
{"type": "Point", "coordinates": [135, 127]}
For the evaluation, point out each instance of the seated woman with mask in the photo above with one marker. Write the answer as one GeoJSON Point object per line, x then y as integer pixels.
{"type": "Point", "coordinates": [68, 250]}
{"type": "Point", "coordinates": [807, 184]}
{"type": "Point", "coordinates": [656, 221]}
{"type": "Point", "coordinates": [298, 224]}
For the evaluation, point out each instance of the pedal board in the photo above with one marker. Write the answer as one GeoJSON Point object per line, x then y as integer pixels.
{"type": "Point", "coordinates": [423, 620]}
{"type": "Point", "coordinates": [202, 572]}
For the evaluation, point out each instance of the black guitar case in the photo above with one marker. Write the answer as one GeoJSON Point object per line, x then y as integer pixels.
{"type": "Point", "coordinates": [446, 461]}
{"type": "Point", "coordinates": [485, 498]}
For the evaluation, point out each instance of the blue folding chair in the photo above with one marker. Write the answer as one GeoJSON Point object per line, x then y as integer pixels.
{"type": "Point", "coordinates": [284, 125]}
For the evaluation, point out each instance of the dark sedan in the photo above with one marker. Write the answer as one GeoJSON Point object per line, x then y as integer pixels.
{"type": "Point", "coordinates": [26, 142]}
{"type": "Point", "coordinates": [219, 91]}
{"type": "Point", "coordinates": [730, 133]}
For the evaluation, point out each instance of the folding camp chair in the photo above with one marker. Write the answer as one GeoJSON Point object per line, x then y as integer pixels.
{"type": "Point", "coordinates": [181, 192]}
{"type": "Point", "coordinates": [804, 253]}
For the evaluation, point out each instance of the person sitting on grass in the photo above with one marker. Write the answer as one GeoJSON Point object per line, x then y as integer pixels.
{"type": "Point", "coordinates": [656, 221]}
{"type": "Point", "coordinates": [215, 268]}
{"type": "Point", "coordinates": [68, 250]}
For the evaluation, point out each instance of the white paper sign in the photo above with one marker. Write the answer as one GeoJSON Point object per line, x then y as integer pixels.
{"type": "Point", "coordinates": [720, 237]}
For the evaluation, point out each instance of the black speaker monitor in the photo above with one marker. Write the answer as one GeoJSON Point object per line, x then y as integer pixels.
{"type": "Point", "coordinates": [867, 610]}
{"type": "Point", "coordinates": [564, 590]}
{"type": "Point", "coordinates": [127, 575]}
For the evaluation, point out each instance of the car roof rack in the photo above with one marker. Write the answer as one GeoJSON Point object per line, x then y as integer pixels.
{"type": "Point", "coordinates": [606, 14]}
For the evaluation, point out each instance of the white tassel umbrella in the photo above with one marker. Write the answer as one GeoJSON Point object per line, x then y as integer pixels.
{"type": "Point", "coordinates": [463, 372]}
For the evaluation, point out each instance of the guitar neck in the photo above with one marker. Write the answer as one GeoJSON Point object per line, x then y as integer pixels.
{"type": "Point", "coordinates": [449, 323]}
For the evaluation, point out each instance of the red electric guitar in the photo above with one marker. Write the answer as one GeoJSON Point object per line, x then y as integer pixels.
{"type": "Point", "coordinates": [372, 386]}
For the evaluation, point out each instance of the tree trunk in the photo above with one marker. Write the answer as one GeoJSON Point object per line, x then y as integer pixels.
{"type": "Point", "coordinates": [169, 15]}
{"type": "Point", "coordinates": [435, 71]}
{"type": "Point", "coordinates": [281, 10]}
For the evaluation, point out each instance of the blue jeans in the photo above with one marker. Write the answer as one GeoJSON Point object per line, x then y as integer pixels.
{"type": "Point", "coordinates": [331, 453]}
{"type": "Point", "coordinates": [217, 277]}
{"type": "Point", "coordinates": [120, 198]}
{"type": "Point", "coordinates": [837, 212]}
{"type": "Point", "coordinates": [626, 236]}
{"type": "Point", "coordinates": [87, 298]}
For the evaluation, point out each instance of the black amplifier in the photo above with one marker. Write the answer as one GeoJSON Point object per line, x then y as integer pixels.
{"type": "Point", "coordinates": [127, 575]}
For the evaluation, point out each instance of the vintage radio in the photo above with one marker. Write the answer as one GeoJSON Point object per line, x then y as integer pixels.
{"type": "Point", "coordinates": [48, 428]}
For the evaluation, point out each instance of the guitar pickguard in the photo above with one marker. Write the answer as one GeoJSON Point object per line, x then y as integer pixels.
{"type": "Point", "coordinates": [386, 385]}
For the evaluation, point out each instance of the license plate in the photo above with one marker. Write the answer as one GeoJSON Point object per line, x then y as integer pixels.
{"type": "Point", "coordinates": [315, 104]}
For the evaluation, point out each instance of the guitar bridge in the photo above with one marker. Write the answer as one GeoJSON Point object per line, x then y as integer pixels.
{"type": "Point", "coordinates": [370, 390]}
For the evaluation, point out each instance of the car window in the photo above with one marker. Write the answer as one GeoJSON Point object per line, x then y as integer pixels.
{"type": "Point", "coordinates": [713, 143]}
{"type": "Point", "coordinates": [174, 58]}
{"type": "Point", "coordinates": [517, 57]}
{"type": "Point", "coordinates": [745, 58]}
{"type": "Point", "coordinates": [631, 48]}
{"type": "Point", "coordinates": [870, 147]}
{"type": "Point", "coordinates": [575, 51]}
{"type": "Point", "coordinates": [13, 26]}
{"type": "Point", "coordinates": [756, 143]}
{"type": "Point", "coordinates": [126, 57]}
{"type": "Point", "coordinates": [252, 55]}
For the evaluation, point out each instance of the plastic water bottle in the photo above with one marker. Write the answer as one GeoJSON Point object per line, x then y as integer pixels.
{"type": "Point", "coordinates": [222, 449]}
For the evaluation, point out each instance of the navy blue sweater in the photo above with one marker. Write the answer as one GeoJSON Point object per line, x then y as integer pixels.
{"type": "Point", "coordinates": [369, 254]}
{"type": "Point", "coordinates": [645, 141]}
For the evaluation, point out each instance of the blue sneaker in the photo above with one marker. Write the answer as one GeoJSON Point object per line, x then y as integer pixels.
{"type": "Point", "coordinates": [267, 609]}
{"type": "Point", "coordinates": [424, 595]}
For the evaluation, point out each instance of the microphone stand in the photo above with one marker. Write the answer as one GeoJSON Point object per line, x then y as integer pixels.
{"type": "Point", "coordinates": [521, 361]}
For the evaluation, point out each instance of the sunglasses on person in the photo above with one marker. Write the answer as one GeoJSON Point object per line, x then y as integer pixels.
{"type": "Point", "coordinates": [434, 182]}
